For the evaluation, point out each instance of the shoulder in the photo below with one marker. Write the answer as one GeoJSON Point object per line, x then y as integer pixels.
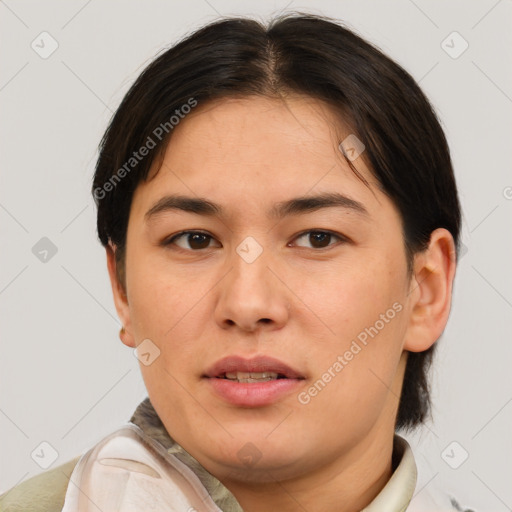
{"type": "Point", "coordinates": [42, 493]}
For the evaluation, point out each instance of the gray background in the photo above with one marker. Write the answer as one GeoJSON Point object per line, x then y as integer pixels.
{"type": "Point", "coordinates": [67, 380]}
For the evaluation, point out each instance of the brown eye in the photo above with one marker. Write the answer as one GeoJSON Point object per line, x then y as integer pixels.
{"type": "Point", "coordinates": [191, 240]}
{"type": "Point", "coordinates": [319, 239]}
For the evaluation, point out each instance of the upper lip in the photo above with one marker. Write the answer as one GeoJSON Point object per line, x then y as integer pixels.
{"type": "Point", "coordinates": [256, 364]}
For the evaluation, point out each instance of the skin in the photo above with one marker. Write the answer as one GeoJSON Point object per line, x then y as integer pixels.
{"type": "Point", "coordinates": [300, 301]}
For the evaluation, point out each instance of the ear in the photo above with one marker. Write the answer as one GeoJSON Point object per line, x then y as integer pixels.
{"type": "Point", "coordinates": [430, 291]}
{"type": "Point", "coordinates": [120, 298]}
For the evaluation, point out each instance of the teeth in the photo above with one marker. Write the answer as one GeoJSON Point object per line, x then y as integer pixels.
{"type": "Point", "coordinates": [251, 376]}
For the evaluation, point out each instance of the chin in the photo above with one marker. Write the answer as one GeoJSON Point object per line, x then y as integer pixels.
{"type": "Point", "coordinates": [261, 471]}
{"type": "Point", "coordinates": [259, 459]}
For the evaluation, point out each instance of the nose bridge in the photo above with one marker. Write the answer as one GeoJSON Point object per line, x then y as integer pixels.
{"type": "Point", "coordinates": [250, 267]}
{"type": "Point", "coordinates": [251, 293]}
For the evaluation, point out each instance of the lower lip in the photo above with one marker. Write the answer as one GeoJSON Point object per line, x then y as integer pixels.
{"type": "Point", "coordinates": [253, 394]}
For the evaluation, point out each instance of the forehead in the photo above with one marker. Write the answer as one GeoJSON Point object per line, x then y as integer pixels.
{"type": "Point", "coordinates": [259, 150]}
{"type": "Point", "coordinates": [238, 129]}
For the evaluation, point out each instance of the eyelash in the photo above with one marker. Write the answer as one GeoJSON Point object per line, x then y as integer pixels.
{"type": "Point", "coordinates": [171, 240]}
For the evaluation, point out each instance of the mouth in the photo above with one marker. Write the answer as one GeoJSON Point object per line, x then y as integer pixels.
{"type": "Point", "coordinates": [251, 376]}
{"type": "Point", "coordinates": [260, 369]}
{"type": "Point", "coordinates": [255, 382]}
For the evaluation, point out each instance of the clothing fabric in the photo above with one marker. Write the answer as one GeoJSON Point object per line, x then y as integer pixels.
{"type": "Point", "coordinates": [140, 467]}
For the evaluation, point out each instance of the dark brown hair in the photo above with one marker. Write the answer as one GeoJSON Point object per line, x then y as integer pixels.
{"type": "Point", "coordinates": [314, 56]}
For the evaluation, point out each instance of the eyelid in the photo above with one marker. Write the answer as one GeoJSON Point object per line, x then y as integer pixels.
{"type": "Point", "coordinates": [339, 236]}
{"type": "Point", "coordinates": [169, 240]}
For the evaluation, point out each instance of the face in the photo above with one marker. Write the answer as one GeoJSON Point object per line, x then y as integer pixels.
{"type": "Point", "coordinates": [315, 291]}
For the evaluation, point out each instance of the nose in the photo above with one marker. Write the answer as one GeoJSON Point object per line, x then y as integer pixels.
{"type": "Point", "coordinates": [252, 296]}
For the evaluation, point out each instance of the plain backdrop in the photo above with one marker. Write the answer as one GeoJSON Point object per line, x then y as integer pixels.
{"type": "Point", "coordinates": [66, 379]}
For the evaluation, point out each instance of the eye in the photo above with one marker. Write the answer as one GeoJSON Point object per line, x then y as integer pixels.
{"type": "Point", "coordinates": [195, 240]}
{"type": "Point", "coordinates": [320, 239]}
{"type": "Point", "coordinates": [198, 240]}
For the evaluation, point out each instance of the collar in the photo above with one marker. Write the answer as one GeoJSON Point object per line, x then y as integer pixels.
{"type": "Point", "coordinates": [398, 492]}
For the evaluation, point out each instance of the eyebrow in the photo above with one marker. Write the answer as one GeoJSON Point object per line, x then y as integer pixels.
{"type": "Point", "coordinates": [295, 206]}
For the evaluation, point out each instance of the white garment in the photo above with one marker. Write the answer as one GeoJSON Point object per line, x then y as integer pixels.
{"type": "Point", "coordinates": [129, 472]}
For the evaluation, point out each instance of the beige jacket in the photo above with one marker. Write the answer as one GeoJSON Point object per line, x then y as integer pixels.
{"type": "Point", "coordinates": [47, 491]}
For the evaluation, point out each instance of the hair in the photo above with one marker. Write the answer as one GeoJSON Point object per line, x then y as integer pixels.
{"type": "Point", "coordinates": [312, 56]}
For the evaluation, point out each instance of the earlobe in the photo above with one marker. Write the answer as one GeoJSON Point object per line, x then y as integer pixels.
{"type": "Point", "coordinates": [120, 298]}
{"type": "Point", "coordinates": [430, 292]}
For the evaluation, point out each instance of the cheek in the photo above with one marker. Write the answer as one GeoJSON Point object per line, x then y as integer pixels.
{"type": "Point", "coordinates": [354, 377]}
{"type": "Point", "coordinates": [349, 300]}
{"type": "Point", "coordinates": [158, 294]}
{"type": "Point", "coordinates": [166, 308]}
{"type": "Point", "coordinates": [356, 358]}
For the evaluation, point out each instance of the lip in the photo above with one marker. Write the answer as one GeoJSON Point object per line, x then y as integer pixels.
{"type": "Point", "coordinates": [252, 394]}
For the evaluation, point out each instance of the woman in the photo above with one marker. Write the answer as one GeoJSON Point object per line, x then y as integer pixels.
{"type": "Point", "coordinates": [281, 223]}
